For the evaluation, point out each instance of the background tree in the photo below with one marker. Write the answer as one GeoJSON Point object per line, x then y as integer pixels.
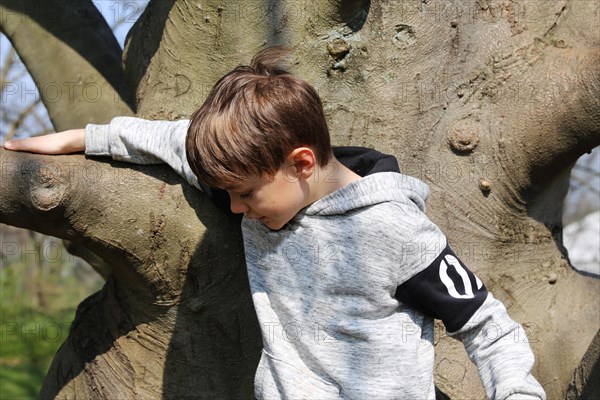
{"type": "Point", "coordinates": [490, 102]}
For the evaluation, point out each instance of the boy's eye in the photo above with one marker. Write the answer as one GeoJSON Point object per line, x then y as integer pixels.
{"type": "Point", "coordinates": [245, 195]}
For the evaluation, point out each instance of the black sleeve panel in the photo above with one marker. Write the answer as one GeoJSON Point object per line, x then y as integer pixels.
{"type": "Point", "coordinates": [361, 160]}
{"type": "Point", "coordinates": [445, 290]}
{"type": "Point", "coordinates": [364, 161]}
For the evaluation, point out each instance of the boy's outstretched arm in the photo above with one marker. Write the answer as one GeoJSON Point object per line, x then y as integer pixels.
{"type": "Point", "coordinates": [128, 139]}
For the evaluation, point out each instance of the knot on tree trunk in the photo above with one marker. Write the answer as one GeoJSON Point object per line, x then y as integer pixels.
{"type": "Point", "coordinates": [48, 186]}
{"type": "Point", "coordinates": [464, 136]}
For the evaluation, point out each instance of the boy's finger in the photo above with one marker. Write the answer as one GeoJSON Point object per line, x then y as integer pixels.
{"type": "Point", "coordinates": [10, 145]}
{"type": "Point", "coordinates": [15, 145]}
{"type": "Point", "coordinates": [21, 145]}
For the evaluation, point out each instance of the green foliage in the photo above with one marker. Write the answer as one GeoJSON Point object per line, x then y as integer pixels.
{"type": "Point", "coordinates": [40, 287]}
{"type": "Point", "coordinates": [29, 340]}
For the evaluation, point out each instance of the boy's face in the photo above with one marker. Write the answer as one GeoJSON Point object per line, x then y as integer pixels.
{"type": "Point", "coordinates": [274, 201]}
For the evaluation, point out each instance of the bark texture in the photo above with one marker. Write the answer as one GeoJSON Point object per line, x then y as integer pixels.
{"type": "Point", "coordinates": [490, 102]}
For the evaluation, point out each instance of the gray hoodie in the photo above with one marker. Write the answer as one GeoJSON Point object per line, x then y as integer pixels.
{"type": "Point", "coordinates": [345, 293]}
{"type": "Point", "coordinates": [324, 291]}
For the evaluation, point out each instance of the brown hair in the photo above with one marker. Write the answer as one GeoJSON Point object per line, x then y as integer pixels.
{"type": "Point", "coordinates": [252, 119]}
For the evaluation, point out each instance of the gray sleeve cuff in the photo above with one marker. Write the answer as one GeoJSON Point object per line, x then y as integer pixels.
{"type": "Point", "coordinates": [96, 140]}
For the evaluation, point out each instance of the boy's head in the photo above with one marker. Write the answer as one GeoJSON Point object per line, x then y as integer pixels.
{"type": "Point", "coordinates": [254, 117]}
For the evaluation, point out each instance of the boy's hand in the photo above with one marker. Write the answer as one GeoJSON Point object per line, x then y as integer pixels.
{"type": "Point", "coordinates": [71, 141]}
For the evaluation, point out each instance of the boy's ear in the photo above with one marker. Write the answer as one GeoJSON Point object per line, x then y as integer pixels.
{"type": "Point", "coordinates": [302, 161]}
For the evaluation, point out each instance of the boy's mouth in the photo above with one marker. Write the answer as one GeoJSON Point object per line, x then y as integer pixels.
{"type": "Point", "coordinates": [261, 219]}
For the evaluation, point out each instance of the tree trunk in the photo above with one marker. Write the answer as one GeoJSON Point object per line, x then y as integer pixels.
{"type": "Point", "coordinates": [489, 102]}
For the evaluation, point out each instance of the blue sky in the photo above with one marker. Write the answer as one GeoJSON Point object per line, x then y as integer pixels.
{"type": "Point", "coordinates": [121, 13]}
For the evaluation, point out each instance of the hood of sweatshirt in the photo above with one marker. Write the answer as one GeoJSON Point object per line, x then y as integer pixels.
{"type": "Point", "coordinates": [370, 190]}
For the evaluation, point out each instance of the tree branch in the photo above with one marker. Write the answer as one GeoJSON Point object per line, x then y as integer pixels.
{"type": "Point", "coordinates": [7, 63]}
{"type": "Point", "coordinates": [85, 82]}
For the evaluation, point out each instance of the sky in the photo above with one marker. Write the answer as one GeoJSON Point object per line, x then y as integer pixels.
{"type": "Point", "coordinates": [123, 14]}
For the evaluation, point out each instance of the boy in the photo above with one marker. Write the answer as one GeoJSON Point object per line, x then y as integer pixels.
{"type": "Point", "coordinates": [346, 272]}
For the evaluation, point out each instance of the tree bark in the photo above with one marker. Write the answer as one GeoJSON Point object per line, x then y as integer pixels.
{"type": "Point", "coordinates": [489, 102]}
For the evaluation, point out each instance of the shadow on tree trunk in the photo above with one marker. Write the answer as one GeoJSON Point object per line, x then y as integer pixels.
{"type": "Point", "coordinates": [586, 379]}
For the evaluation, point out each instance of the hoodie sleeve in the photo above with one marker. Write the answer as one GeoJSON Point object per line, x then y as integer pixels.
{"type": "Point", "coordinates": [497, 345]}
{"type": "Point", "coordinates": [500, 349]}
{"type": "Point", "coordinates": [142, 141]}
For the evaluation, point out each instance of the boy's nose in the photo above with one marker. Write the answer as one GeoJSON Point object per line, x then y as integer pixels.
{"type": "Point", "coordinates": [237, 205]}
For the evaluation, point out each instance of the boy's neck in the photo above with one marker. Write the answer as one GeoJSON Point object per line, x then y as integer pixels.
{"type": "Point", "coordinates": [330, 178]}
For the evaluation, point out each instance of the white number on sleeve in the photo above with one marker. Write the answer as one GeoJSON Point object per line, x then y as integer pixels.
{"type": "Point", "coordinates": [449, 283]}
